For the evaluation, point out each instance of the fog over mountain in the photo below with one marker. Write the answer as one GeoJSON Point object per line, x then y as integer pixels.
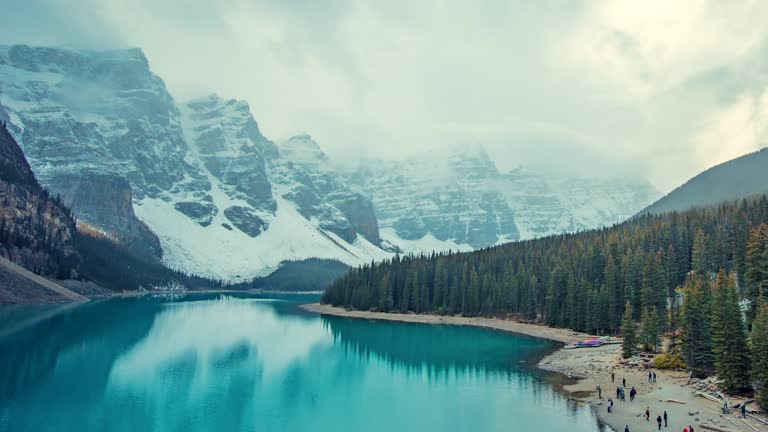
{"type": "Point", "coordinates": [647, 90]}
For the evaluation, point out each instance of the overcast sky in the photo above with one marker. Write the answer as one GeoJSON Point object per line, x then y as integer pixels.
{"type": "Point", "coordinates": [652, 89]}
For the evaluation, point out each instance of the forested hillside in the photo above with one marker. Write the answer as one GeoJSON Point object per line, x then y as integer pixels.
{"type": "Point", "coordinates": [686, 273]}
{"type": "Point", "coordinates": [583, 281]}
{"type": "Point", "coordinates": [739, 178]}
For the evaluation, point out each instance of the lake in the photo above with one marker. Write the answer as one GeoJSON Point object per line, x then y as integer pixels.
{"type": "Point", "coordinates": [218, 362]}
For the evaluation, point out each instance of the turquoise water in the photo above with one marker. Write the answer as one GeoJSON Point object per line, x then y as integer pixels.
{"type": "Point", "coordinates": [220, 363]}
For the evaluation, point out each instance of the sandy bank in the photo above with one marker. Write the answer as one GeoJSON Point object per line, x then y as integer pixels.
{"type": "Point", "coordinates": [595, 365]}
{"type": "Point", "coordinates": [553, 334]}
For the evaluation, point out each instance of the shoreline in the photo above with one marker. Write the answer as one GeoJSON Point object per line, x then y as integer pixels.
{"type": "Point", "coordinates": [533, 330]}
{"type": "Point", "coordinates": [592, 367]}
{"type": "Point", "coordinates": [105, 294]}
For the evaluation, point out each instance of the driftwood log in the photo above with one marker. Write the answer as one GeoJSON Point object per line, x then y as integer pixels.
{"type": "Point", "coordinates": [758, 419]}
{"type": "Point", "coordinates": [750, 426]}
{"type": "Point", "coordinates": [714, 428]}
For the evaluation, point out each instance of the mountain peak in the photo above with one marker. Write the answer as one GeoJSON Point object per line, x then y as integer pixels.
{"type": "Point", "coordinates": [214, 100]}
{"type": "Point", "coordinates": [302, 148]}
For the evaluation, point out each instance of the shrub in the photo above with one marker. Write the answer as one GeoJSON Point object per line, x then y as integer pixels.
{"type": "Point", "coordinates": [669, 361]}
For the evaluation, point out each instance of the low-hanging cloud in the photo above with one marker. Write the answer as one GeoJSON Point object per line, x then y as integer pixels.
{"type": "Point", "coordinates": [654, 89]}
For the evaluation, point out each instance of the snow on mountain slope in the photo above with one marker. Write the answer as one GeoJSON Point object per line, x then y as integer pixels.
{"type": "Point", "coordinates": [463, 202]}
{"type": "Point", "coordinates": [452, 201]}
{"type": "Point", "coordinates": [544, 205]}
{"type": "Point", "coordinates": [233, 255]}
{"type": "Point", "coordinates": [100, 127]}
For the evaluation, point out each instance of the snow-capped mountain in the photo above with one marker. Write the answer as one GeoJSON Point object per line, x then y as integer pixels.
{"type": "Point", "coordinates": [198, 184]}
{"type": "Point", "coordinates": [463, 202]}
{"type": "Point", "coordinates": [546, 205]}
{"type": "Point", "coordinates": [439, 203]}
{"type": "Point", "coordinates": [220, 196]}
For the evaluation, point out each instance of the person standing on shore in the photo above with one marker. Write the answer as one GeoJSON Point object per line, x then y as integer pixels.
{"type": "Point", "coordinates": [647, 413]}
{"type": "Point", "coordinates": [658, 420]}
{"type": "Point", "coordinates": [690, 428]}
{"type": "Point", "coordinates": [599, 392]}
{"type": "Point", "coordinates": [618, 392]}
{"type": "Point", "coordinates": [649, 375]}
{"type": "Point", "coordinates": [654, 377]}
{"type": "Point", "coordinates": [626, 428]}
{"type": "Point", "coordinates": [744, 410]}
{"type": "Point", "coordinates": [665, 418]}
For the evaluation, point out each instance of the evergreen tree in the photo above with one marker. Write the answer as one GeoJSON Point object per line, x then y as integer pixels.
{"type": "Point", "coordinates": [650, 336]}
{"type": "Point", "coordinates": [759, 340]}
{"type": "Point", "coordinates": [386, 301]}
{"type": "Point", "coordinates": [756, 267]}
{"type": "Point", "coordinates": [700, 253]}
{"type": "Point", "coordinates": [696, 327]}
{"type": "Point", "coordinates": [628, 332]}
{"type": "Point", "coordinates": [728, 337]}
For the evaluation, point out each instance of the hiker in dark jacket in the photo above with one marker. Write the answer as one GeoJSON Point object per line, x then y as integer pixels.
{"type": "Point", "coordinates": [665, 419]}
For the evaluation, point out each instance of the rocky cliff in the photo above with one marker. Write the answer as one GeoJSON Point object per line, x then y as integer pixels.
{"type": "Point", "coordinates": [105, 201]}
{"type": "Point", "coordinates": [36, 231]}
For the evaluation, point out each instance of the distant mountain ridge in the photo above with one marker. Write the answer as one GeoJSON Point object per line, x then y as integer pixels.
{"type": "Point", "coordinates": [463, 202]}
{"type": "Point", "coordinates": [197, 186]}
{"type": "Point", "coordinates": [738, 178]}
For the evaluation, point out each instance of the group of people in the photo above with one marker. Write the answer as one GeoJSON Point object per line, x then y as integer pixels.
{"type": "Point", "coordinates": [651, 376]}
{"type": "Point", "coordinates": [661, 419]}
{"type": "Point", "coordinates": [688, 429]}
{"type": "Point", "coordinates": [620, 393]}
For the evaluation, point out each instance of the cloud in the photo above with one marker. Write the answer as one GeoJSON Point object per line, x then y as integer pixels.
{"type": "Point", "coordinates": [739, 128]}
{"type": "Point", "coordinates": [642, 89]}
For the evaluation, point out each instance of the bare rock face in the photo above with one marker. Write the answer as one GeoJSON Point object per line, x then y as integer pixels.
{"type": "Point", "coordinates": [36, 231]}
{"type": "Point", "coordinates": [105, 202]}
{"type": "Point", "coordinates": [247, 167]}
{"type": "Point", "coordinates": [246, 220]}
{"type": "Point", "coordinates": [201, 212]}
{"type": "Point", "coordinates": [232, 149]}
{"type": "Point", "coordinates": [321, 192]}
